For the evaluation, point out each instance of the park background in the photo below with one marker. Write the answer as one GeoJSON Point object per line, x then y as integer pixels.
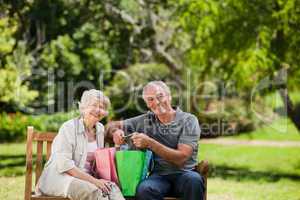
{"type": "Point", "coordinates": [232, 63]}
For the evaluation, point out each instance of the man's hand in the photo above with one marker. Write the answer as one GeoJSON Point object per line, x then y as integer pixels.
{"type": "Point", "coordinates": [118, 137]}
{"type": "Point", "coordinates": [141, 140]}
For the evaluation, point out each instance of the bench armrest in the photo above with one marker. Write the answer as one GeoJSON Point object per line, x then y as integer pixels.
{"type": "Point", "coordinates": [203, 168]}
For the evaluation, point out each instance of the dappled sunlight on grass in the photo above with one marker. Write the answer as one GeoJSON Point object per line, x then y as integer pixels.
{"type": "Point", "coordinates": [220, 189]}
{"type": "Point", "coordinates": [252, 172]}
{"type": "Point", "coordinates": [281, 129]}
{"type": "Point", "coordinates": [13, 159]}
{"type": "Point", "coordinates": [263, 159]}
{"type": "Point", "coordinates": [12, 188]}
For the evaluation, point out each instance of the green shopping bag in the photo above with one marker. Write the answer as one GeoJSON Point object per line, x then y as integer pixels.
{"type": "Point", "coordinates": [130, 165]}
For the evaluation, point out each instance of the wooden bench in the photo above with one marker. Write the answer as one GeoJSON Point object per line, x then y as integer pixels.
{"type": "Point", "coordinates": [46, 138]}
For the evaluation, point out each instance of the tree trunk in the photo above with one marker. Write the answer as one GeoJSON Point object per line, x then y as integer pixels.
{"type": "Point", "coordinates": [290, 108]}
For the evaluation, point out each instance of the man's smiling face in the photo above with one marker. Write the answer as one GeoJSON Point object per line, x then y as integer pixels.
{"type": "Point", "coordinates": [157, 100]}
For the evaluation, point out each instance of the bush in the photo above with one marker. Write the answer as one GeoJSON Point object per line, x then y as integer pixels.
{"type": "Point", "coordinates": [54, 121]}
{"type": "Point", "coordinates": [13, 125]}
{"type": "Point", "coordinates": [229, 117]}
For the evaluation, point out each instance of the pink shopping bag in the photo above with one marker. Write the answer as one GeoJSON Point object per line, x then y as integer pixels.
{"type": "Point", "coordinates": [105, 164]}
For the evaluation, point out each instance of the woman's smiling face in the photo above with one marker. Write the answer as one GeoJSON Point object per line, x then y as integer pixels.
{"type": "Point", "coordinates": [95, 111]}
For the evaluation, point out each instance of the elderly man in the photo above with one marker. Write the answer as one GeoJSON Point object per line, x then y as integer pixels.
{"type": "Point", "coordinates": [173, 137]}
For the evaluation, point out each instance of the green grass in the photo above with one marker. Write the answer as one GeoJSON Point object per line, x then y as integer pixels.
{"type": "Point", "coordinates": [252, 162]}
{"type": "Point", "coordinates": [280, 130]}
{"type": "Point", "coordinates": [12, 159]}
{"type": "Point", "coordinates": [248, 172]}
{"type": "Point", "coordinates": [12, 188]}
{"type": "Point", "coordinates": [224, 189]}
{"type": "Point", "coordinates": [237, 172]}
{"type": "Point", "coordinates": [12, 169]}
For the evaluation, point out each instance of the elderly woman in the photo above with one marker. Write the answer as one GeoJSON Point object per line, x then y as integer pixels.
{"type": "Point", "coordinates": [68, 173]}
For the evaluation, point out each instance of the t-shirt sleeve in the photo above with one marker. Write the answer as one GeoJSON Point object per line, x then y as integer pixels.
{"type": "Point", "coordinates": [191, 132]}
{"type": "Point", "coordinates": [135, 124]}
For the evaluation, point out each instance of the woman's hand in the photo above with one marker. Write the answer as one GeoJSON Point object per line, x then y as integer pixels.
{"type": "Point", "coordinates": [103, 185]}
{"type": "Point", "coordinates": [118, 137]}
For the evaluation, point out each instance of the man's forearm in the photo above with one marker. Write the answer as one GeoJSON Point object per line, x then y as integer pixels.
{"type": "Point", "coordinates": [173, 156]}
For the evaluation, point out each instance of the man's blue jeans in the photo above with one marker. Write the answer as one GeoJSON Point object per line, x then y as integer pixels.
{"type": "Point", "coordinates": [187, 185]}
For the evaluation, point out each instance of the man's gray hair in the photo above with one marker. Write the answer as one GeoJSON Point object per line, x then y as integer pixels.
{"type": "Point", "coordinates": [160, 84]}
{"type": "Point", "coordinates": [90, 96]}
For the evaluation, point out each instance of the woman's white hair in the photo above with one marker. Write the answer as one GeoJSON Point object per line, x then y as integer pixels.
{"type": "Point", "coordinates": [90, 96]}
{"type": "Point", "coordinates": [160, 84]}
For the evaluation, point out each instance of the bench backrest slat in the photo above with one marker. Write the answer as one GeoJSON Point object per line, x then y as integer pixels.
{"type": "Point", "coordinates": [40, 139]}
{"type": "Point", "coordinates": [28, 176]}
{"type": "Point", "coordinates": [49, 143]}
{"type": "Point", "coordinates": [39, 161]}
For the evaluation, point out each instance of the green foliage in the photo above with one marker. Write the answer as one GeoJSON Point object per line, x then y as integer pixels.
{"type": "Point", "coordinates": [13, 126]}
{"type": "Point", "coordinates": [231, 41]}
{"type": "Point", "coordinates": [14, 68]}
{"type": "Point", "coordinates": [59, 53]}
{"type": "Point", "coordinates": [232, 116]}
{"type": "Point", "coordinates": [14, 89]}
{"type": "Point", "coordinates": [7, 28]}
{"type": "Point", "coordinates": [53, 122]}
{"type": "Point", "coordinates": [82, 55]}
{"type": "Point", "coordinates": [125, 89]}
{"type": "Point", "coordinates": [243, 41]}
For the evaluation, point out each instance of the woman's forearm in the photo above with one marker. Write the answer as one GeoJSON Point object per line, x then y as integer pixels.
{"type": "Point", "coordinates": [75, 172]}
